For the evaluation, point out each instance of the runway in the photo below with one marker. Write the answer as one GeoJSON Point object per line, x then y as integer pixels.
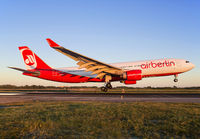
{"type": "Point", "coordinates": [101, 97]}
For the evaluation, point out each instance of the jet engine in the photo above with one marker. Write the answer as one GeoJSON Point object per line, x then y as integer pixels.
{"type": "Point", "coordinates": [129, 82]}
{"type": "Point", "coordinates": [132, 75]}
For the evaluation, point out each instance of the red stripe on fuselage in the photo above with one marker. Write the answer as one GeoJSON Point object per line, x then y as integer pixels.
{"type": "Point", "coordinates": [55, 75]}
{"type": "Point", "coordinates": [157, 75]}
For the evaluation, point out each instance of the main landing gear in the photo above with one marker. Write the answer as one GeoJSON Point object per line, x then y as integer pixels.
{"type": "Point", "coordinates": [106, 87]}
{"type": "Point", "coordinates": [176, 78]}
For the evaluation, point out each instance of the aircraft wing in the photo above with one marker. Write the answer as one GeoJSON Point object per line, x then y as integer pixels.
{"type": "Point", "coordinates": [96, 67]}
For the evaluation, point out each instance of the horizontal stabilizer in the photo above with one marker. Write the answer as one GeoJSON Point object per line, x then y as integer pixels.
{"type": "Point", "coordinates": [36, 73]}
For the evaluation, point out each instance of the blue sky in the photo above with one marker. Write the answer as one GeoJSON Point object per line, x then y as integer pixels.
{"type": "Point", "coordinates": [107, 30]}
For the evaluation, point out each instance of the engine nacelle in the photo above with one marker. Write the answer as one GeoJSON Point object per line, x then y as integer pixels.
{"type": "Point", "coordinates": [129, 82]}
{"type": "Point", "coordinates": [132, 75]}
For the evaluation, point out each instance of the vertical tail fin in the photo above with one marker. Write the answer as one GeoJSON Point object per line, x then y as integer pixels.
{"type": "Point", "coordinates": [31, 60]}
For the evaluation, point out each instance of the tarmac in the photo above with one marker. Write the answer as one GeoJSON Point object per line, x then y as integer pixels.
{"type": "Point", "coordinates": [101, 97]}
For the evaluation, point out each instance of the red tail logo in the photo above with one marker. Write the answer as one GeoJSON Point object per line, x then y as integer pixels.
{"type": "Point", "coordinates": [29, 58]}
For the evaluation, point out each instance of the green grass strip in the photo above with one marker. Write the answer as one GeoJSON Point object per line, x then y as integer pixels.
{"type": "Point", "coordinates": [100, 120]}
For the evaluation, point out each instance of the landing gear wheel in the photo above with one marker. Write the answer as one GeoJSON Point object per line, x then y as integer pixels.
{"type": "Point", "coordinates": [109, 86]}
{"type": "Point", "coordinates": [104, 89]}
{"type": "Point", "coordinates": [175, 80]}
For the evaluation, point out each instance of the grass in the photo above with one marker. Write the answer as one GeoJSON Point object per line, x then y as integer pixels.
{"type": "Point", "coordinates": [100, 120]}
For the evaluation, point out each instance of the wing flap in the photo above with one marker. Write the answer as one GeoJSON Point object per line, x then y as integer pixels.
{"type": "Point", "coordinates": [85, 65]}
{"type": "Point", "coordinates": [93, 68]}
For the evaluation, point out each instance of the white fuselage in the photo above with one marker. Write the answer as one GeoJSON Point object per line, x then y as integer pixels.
{"type": "Point", "coordinates": [159, 67]}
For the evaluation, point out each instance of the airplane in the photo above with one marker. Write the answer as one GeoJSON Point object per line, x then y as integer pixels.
{"type": "Point", "coordinates": [91, 70]}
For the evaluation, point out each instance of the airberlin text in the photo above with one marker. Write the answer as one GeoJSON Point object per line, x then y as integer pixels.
{"type": "Point", "coordinates": [158, 64]}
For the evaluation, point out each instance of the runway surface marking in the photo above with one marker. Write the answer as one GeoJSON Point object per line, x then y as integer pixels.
{"type": "Point", "coordinates": [142, 97]}
{"type": "Point", "coordinates": [10, 94]}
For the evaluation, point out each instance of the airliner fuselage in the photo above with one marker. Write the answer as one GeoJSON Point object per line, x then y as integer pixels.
{"type": "Point", "coordinates": [149, 68]}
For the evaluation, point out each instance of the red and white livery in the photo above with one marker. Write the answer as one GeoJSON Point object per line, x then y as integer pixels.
{"type": "Point", "coordinates": [90, 70]}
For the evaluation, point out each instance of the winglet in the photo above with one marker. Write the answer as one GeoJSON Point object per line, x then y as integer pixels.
{"type": "Point", "coordinates": [52, 43]}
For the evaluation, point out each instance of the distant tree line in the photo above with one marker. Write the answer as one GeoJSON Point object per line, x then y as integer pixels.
{"type": "Point", "coordinates": [40, 87]}
{"type": "Point", "coordinates": [71, 87]}
{"type": "Point", "coordinates": [25, 87]}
